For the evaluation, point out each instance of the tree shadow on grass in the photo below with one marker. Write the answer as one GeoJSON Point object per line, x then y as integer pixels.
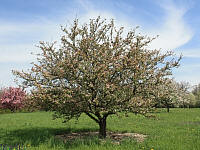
{"type": "Point", "coordinates": [42, 135]}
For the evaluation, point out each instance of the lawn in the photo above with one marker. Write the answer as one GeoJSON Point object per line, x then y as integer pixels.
{"type": "Point", "coordinates": [177, 130]}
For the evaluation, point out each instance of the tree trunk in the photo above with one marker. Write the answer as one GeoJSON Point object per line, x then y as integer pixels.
{"type": "Point", "coordinates": [167, 109]}
{"type": "Point", "coordinates": [101, 121]}
{"type": "Point", "coordinates": [102, 127]}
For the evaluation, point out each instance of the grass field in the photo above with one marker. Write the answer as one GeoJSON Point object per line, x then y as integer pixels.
{"type": "Point", "coordinates": [177, 130]}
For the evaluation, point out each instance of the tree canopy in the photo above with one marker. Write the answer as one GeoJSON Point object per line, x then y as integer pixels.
{"type": "Point", "coordinates": [174, 94]}
{"type": "Point", "coordinates": [12, 98]}
{"type": "Point", "coordinates": [100, 70]}
{"type": "Point", "coordinates": [196, 92]}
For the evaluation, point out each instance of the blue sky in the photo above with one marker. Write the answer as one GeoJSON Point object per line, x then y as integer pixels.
{"type": "Point", "coordinates": [23, 23]}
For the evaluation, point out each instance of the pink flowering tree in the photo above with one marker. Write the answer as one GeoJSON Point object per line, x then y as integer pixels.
{"type": "Point", "coordinates": [12, 98]}
{"type": "Point", "coordinates": [1, 92]}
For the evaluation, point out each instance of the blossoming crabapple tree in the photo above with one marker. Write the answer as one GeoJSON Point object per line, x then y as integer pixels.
{"type": "Point", "coordinates": [173, 94]}
{"type": "Point", "coordinates": [168, 94]}
{"type": "Point", "coordinates": [98, 70]}
{"type": "Point", "coordinates": [12, 98]}
{"type": "Point", "coordinates": [183, 95]}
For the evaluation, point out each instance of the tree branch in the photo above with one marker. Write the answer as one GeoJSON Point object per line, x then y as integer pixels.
{"type": "Point", "coordinates": [92, 117]}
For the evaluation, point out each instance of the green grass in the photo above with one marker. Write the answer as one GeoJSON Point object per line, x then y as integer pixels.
{"type": "Point", "coordinates": [177, 130]}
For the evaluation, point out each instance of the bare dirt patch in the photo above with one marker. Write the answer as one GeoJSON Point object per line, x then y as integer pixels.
{"type": "Point", "coordinates": [114, 136]}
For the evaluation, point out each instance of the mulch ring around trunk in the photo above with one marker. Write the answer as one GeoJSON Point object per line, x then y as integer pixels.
{"type": "Point", "coordinates": [114, 136]}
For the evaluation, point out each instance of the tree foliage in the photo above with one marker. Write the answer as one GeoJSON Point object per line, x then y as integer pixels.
{"type": "Point", "coordinates": [1, 92]}
{"type": "Point", "coordinates": [167, 94]}
{"type": "Point", "coordinates": [98, 70]}
{"type": "Point", "coordinates": [174, 94]}
{"type": "Point", "coordinates": [184, 98]}
{"type": "Point", "coordinates": [12, 98]}
{"type": "Point", "coordinates": [196, 93]}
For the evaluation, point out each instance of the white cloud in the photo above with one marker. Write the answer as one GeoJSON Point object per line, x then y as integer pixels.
{"type": "Point", "coordinates": [87, 5]}
{"type": "Point", "coordinates": [190, 53]}
{"type": "Point", "coordinates": [16, 53]}
{"type": "Point", "coordinates": [20, 39]}
{"type": "Point", "coordinates": [189, 73]}
{"type": "Point", "coordinates": [174, 32]}
{"type": "Point", "coordinates": [184, 77]}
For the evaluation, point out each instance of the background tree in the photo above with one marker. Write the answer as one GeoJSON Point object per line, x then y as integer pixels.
{"type": "Point", "coordinates": [192, 100]}
{"type": "Point", "coordinates": [98, 70]}
{"type": "Point", "coordinates": [196, 93]}
{"type": "Point", "coordinates": [1, 92]}
{"type": "Point", "coordinates": [12, 98]}
{"type": "Point", "coordinates": [184, 98]}
{"type": "Point", "coordinates": [174, 94]}
{"type": "Point", "coordinates": [167, 94]}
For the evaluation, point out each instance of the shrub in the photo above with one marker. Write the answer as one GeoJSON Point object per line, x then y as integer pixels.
{"type": "Point", "coordinates": [12, 98]}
